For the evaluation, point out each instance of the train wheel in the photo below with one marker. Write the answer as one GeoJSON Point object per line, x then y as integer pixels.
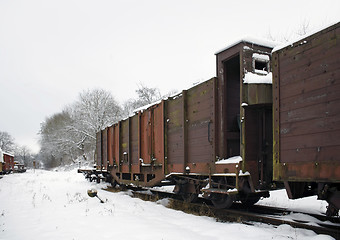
{"type": "Point", "coordinates": [222, 200]}
{"type": "Point", "coordinates": [188, 191]}
{"type": "Point", "coordinates": [190, 197]}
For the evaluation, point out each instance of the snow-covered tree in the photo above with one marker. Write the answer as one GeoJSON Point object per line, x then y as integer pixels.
{"type": "Point", "coordinates": [95, 110]}
{"type": "Point", "coordinates": [6, 142]}
{"type": "Point", "coordinates": [24, 156]}
{"type": "Point", "coordinates": [71, 133]}
{"type": "Point", "coordinates": [146, 95]}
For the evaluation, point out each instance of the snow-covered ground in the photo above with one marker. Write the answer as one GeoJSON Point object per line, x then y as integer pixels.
{"type": "Point", "coordinates": [279, 198]}
{"type": "Point", "coordinates": [55, 205]}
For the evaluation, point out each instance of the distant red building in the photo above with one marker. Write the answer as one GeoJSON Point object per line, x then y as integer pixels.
{"type": "Point", "coordinates": [7, 162]}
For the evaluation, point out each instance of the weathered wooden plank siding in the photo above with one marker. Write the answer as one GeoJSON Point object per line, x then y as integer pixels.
{"type": "Point", "coordinates": [307, 106]}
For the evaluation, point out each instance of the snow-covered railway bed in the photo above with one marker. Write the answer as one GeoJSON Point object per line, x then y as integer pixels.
{"type": "Point", "coordinates": [55, 205]}
{"type": "Point", "coordinates": [318, 223]}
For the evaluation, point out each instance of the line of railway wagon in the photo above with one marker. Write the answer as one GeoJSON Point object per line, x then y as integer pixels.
{"type": "Point", "coordinates": [270, 118]}
{"type": "Point", "coordinates": [9, 165]}
{"type": "Point", "coordinates": [6, 162]}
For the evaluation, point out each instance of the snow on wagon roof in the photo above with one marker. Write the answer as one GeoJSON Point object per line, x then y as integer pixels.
{"type": "Point", "coordinates": [252, 40]}
{"type": "Point", "coordinates": [8, 154]}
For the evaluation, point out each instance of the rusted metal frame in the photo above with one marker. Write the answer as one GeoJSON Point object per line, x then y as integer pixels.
{"type": "Point", "coordinates": [237, 181]}
{"type": "Point", "coordinates": [214, 123]}
{"type": "Point", "coordinates": [149, 135]}
{"type": "Point", "coordinates": [119, 148]}
{"type": "Point", "coordinates": [240, 55]}
{"type": "Point", "coordinates": [116, 145]}
{"type": "Point", "coordinates": [276, 115]}
{"type": "Point", "coordinates": [223, 118]}
{"type": "Point", "coordinates": [101, 150]}
{"type": "Point", "coordinates": [152, 136]}
{"type": "Point", "coordinates": [114, 154]}
{"type": "Point", "coordinates": [197, 181]}
{"type": "Point", "coordinates": [104, 144]}
{"type": "Point", "coordinates": [139, 140]}
{"type": "Point", "coordinates": [113, 151]}
{"type": "Point", "coordinates": [105, 149]}
{"type": "Point", "coordinates": [220, 105]}
{"type": "Point", "coordinates": [129, 145]}
{"type": "Point", "coordinates": [98, 149]}
{"type": "Point", "coordinates": [109, 148]}
{"type": "Point", "coordinates": [185, 129]}
{"type": "Point", "coordinates": [242, 111]}
{"type": "Point", "coordinates": [216, 109]}
{"type": "Point", "coordinates": [165, 136]}
{"type": "Point", "coordinates": [310, 172]}
{"type": "Point", "coordinates": [214, 119]}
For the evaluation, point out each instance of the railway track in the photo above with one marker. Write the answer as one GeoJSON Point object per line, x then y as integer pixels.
{"type": "Point", "coordinates": [238, 213]}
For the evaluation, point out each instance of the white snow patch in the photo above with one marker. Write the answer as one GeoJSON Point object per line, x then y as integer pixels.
{"type": "Point", "coordinates": [236, 159]}
{"type": "Point", "coordinates": [253, 78]}
{"type": "Point", "coordinates": [252, 40]}
{"type": "Point", "coordinates": [261, 57]}
{"type": "Point", "coordinates": [55, 205]}
{"type": "Point", "coordinates": [1, 156]}
{"type": "Point", "coordinates": [279, 198]}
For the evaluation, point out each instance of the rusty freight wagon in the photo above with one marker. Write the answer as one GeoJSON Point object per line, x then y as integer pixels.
{"type": "Point", "coordinates": [1, 160]}
{"type": "Point", "coordinates": [306, 93]}
{"type": "Point", "coordinates": [7, 162]}
{"type": "Point", "coordinates": [214, 138]}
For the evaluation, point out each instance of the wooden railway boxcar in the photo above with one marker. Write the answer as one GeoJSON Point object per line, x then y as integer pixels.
{"type": "Point", "coordinates": [7, 162]}
{"type": "Point", "coordinates": [1, 160]}
{"type": "Point", "coordinates": [153, 143]}
{"type": "Point", "coordinates": [244, 114]}
{"type": "Point", "coordinates": [306, 93]}
{"type": "Point", "coordinates": [188, 138]}
{"type": "Point", "coordinates": [288, 131]}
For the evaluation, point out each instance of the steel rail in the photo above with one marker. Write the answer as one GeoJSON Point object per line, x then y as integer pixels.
{"type": "Point", "coordinates": [238, 213]}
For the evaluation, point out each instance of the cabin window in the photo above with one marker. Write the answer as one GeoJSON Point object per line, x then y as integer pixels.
{"type": "Point", "coordinates": [262, 66]}
{"type": "Point", "coordinates": [261, 63]}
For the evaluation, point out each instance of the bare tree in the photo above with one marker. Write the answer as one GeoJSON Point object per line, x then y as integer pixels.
{"type": "Point", "coordinates": [24, 155]}
{"type": "Point", "coordinates": [95, 110]}
{"type": "Point", "coordinates": [71, 133]}
{"type": "Point", "coordinates": [304, 28]}
{"type": "Point", "coordinates": [146, 95]}
{"type": "Point", "coordinates": [287, 36]}
{"type": "Point", "coordinates": [6, 142]}
{"type": "Point", "coordinates": [129, 106]}
{"type": "Point", "coordinates": [55, 139]}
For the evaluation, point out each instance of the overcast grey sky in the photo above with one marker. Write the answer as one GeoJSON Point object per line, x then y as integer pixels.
{"type": "Point", "coordinates": [52, 50]}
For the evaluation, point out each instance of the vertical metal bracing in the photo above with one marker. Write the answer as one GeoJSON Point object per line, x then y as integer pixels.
{"type": "Point", "coordinates": [152, 138]}
{"type": "Point", "coordinates": [214, 117]}
{"type": "Point", "coordinates": [139, 138]}
{"type": "Point", "coordinates": [185, 129]}
{"type": "Point", "coordinates": [165, 127]}
{"type": "Point", "coordinates": [129, 145]}
{"type": "Point", "coordinates": [119, 147]}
